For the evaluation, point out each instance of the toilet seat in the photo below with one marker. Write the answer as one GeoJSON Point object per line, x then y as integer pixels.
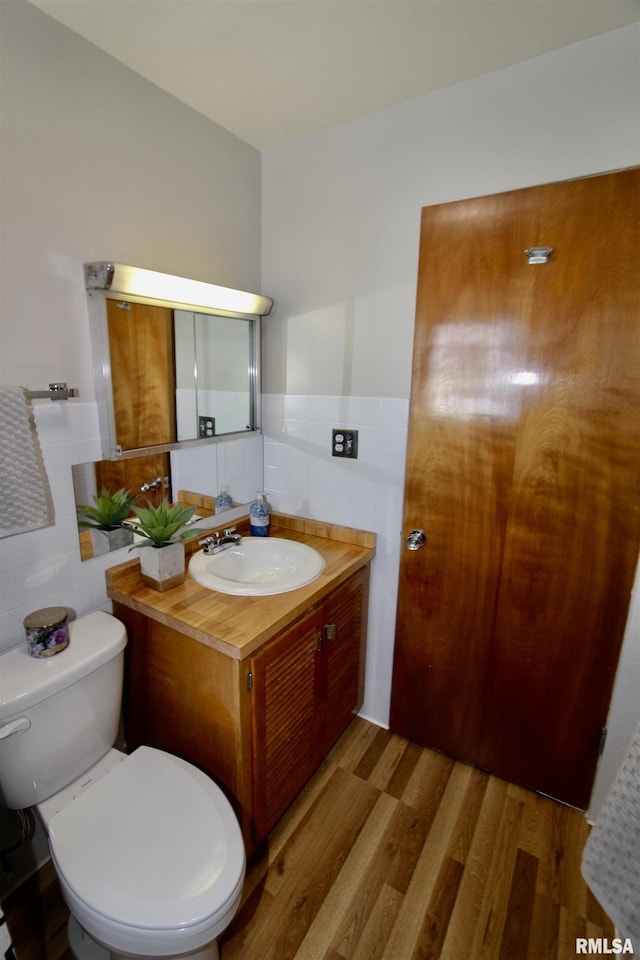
{"type": "Point", "coordinates": [150, 858]}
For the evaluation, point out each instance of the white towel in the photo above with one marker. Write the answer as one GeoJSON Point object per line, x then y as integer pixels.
{"type": "Point", "coordinates": [25, 497]}
{"type": "Point", "coordinates": [611, 857]}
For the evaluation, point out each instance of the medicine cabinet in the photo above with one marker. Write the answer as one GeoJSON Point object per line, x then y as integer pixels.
{"type": "Point", "coordinates": [176, 362]}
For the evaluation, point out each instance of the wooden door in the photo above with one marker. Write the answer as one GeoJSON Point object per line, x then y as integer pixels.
{"type": "Point", "coordinates": [142, 373]}
{"type": "Point", "coordinates": [523, 471]}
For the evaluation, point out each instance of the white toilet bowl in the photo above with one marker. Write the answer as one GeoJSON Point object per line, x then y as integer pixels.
{"type": "Point", "coordinates": [150, 860]}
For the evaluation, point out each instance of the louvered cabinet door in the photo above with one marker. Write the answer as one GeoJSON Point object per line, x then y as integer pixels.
{"type": "Point", "coordinates": [284, 720]}
{"type": "Point", "coordinates": [343, 629]}
{"type": "Point", "coordinates": [306, 685]}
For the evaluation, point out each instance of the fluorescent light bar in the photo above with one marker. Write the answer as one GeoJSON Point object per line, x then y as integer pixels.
{"type": "Point", "coordinates": [134, 282]}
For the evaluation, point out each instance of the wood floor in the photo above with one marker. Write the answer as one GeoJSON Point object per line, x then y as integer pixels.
{"type": "Point", "coordinates": [391, 852]}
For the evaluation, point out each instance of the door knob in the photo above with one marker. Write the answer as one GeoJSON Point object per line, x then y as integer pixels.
{"type": "Point", "coordinates": [416, 540]}
{"type": "Point", "coordinates": [153, 485]}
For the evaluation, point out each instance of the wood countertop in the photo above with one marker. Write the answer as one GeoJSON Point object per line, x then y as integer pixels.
{"type": "Point", "coordinates": [238, 626]}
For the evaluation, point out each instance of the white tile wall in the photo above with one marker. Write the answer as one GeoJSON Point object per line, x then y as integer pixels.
{"type": "Point", "coordinates": [302, 478]}
{"type": "Point", "coordinates": [229, 408]}
{"type": "Point", "coordinates": [231, 465]}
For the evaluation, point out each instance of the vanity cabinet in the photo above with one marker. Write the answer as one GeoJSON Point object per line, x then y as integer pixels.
{"type": "Point", "coordinates": [259, 716]}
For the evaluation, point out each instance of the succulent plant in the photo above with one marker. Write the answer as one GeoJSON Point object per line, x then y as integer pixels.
{"type": "Point", "coordinates": [163, 524]}
{"type": "Point", "coordinates": [107, 511]}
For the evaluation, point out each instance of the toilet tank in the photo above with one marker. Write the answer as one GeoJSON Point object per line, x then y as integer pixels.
{"type": "Point", "coordinates": [60, 715]}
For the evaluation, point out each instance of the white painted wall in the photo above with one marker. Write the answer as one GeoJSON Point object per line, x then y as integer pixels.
{"type": "Point", "coordinates": [341, 215]}
{"type": "Point", "coordinates": [97, 163]}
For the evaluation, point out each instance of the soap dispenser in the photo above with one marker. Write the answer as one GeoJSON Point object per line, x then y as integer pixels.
{"type": "Point", "coordinates": [259, 520]}
{"type": "Point", "coordinates": [224, 501]}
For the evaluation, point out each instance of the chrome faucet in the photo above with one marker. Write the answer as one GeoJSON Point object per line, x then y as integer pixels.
{"type": "Point", "coordinates": [215, 543]}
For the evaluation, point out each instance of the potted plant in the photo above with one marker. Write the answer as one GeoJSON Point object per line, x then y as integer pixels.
{"type": "Point", "coordinates": [104, 519]}
{"type": "Point", "coordinates": [163, 529]}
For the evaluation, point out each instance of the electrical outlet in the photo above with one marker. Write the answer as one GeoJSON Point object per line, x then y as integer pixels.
{"type": "Point", "coordinates": [344, 443]}
{"type": "Point", "coordinates": [206, 426]}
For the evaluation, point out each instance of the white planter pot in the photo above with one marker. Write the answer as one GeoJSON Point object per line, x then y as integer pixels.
{"type": "Point", "coordinates": [163, 567]}
{"type": "Point", "coordinates": [104, 541]}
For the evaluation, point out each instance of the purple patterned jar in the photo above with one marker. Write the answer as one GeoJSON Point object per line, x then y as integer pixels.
{"type": "Point", "coordinates": [46, 631]}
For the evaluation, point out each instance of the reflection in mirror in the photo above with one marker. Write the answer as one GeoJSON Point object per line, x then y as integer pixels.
{"type": "Point", "coordinates": [177, 375]}
{"type": "Point", "coordinates": [146, 478]}
{"type": "Point", "coordinates": [175, 361]}
{"type": "Point", "coordinates": [213, 363]}
{"type": "Point", "coordinates": [193, 475]}
{"type": "Point", "coordinates": [142, 374]}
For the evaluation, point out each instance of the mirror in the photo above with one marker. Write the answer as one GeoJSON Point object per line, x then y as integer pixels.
{"type": "Point", "coordinates": [176, 361]}
{"type": "Point", "coordinates": [193, 475]}
{"type": "Point", "coordinates": [213, 377]}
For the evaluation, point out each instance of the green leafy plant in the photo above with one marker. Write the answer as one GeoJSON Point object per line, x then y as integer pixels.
{"type": "Point", "coordinates": [107, 511]}
{"type": "Point", "coordinates": [163, 524]}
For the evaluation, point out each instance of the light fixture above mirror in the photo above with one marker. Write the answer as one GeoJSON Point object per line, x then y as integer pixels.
{"type": "Point", "coordinates": [148, 286]}
{"type": "Point", "coordinates": [175, 361]}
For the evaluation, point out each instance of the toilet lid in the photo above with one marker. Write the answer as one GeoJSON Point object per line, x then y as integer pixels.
{"type": "Point", "coordinates": [153, 844]}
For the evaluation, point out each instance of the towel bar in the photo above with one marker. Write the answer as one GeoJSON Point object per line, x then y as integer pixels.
{"type": "Point", "coordinates": [56, 391]}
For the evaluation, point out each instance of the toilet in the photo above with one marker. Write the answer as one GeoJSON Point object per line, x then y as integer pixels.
{"type": "Point", "coordinates": [147, 849]}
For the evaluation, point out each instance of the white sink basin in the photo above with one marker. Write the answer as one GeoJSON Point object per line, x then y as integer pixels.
{"type": "Point", "coordinates": [257, 567]}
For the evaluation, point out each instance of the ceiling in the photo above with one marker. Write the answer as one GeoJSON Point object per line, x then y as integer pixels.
{"type": "Point", "coordinates": [272, 71]}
